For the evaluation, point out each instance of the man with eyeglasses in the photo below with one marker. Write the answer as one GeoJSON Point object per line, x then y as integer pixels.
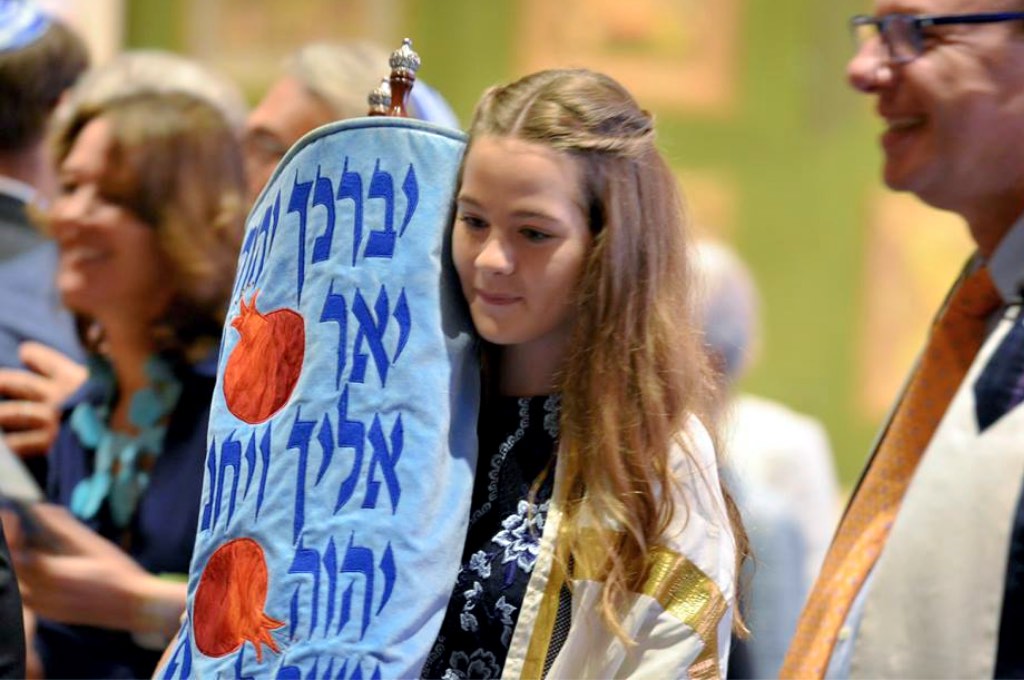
{"type": "Point", "coordinates": [925, 576]}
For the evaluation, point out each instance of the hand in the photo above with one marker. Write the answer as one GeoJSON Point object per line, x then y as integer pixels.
{"type": "Point", "coordinates": [90, 581]}
{"type": "Point", "coordinates": [30, 415]}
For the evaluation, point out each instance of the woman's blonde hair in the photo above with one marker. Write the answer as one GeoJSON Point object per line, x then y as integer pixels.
{"type": "Point", "coordinates": [153, 70]}
{"type": "Point", "coordinates": [636, 369]}
{"type": "Point", "coordinates": [175, 162]}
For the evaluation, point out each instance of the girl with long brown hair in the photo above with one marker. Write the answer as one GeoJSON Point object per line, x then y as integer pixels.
{"type": "Point", "coordinates": [601, 542]}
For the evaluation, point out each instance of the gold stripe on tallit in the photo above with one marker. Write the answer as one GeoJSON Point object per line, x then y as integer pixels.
{"type": "Point", "coordinates": [686, 592]}
{"type": "Point", "coordinates": [540, 638]}
{"type": "Point", "coordinates": [677, 584]}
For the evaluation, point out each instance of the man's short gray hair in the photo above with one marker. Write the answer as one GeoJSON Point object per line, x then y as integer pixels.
{"type": "Point", "coordinates": [342, 74]}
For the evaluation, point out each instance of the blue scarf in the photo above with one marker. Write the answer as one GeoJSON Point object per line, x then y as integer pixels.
{"type": "Point", "coordinates": [121, 470]}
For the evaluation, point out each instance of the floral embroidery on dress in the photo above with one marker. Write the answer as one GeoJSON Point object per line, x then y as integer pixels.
{"type": "Point", "coordinates": [480, 564]}
{"type": "Point", "coordinates": [505, 611]}
{"type": "Point", "coordinates": [510, 505]}
{"type": "Point", "coordinates": [473, 594]}
{"type": "Point", "coordinates": [479, 664]}
{"type": "Point", "coordinates": [521, 535]}
{"type": "Point", "coordinates": [520, 543]}
{"type": "Point", "coordinates": [469, 622]}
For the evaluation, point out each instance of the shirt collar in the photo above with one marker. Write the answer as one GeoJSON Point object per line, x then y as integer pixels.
{"type": "Point", "coordinates": [17, 189]}
{"type": "Point", "coordinates": [1005, 263]}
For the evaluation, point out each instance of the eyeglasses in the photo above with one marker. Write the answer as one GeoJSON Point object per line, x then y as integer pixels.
{"type": "Point", "coordinates": [903, 34]}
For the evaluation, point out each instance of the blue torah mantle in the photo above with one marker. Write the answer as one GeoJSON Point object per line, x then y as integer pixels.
{"type": "Point", "coordinates": [342, 441]}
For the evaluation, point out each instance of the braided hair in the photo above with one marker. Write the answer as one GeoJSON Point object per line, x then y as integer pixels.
{"type": "Point", "coordinates": [637, 369]}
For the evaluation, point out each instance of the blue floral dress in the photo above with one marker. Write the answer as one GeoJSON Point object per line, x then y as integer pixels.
{"type": "Point", "coordinates": [517, 447]}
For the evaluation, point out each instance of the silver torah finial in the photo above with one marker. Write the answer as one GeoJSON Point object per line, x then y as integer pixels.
{"type": "Point", "coordinates": [404, 59]}
{"type": "Point", "coordinates": [380, 99]}
{"type": "Point", "coordinates": [404, 65]}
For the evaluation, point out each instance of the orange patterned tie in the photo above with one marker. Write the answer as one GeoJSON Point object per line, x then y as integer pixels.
{"type": "Point", "coordinates": [956, 336]}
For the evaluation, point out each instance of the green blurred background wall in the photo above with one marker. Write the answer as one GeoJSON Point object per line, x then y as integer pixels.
{"type": "Point", "coordinates": [788, 165]}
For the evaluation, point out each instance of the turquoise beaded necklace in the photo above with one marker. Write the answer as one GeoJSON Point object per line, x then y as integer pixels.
{"type": "Point", "coordinates": [122, 465]}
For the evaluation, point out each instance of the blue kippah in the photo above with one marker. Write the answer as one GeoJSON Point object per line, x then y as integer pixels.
{"type": "Point", "coordinates": [21, 24]}
{"type": "Point", "coordinates": [429, 105]}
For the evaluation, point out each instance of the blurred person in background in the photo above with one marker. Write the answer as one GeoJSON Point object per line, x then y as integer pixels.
{"type": "Point", "coordinates": [31, 414]}
{"type": "Point", "coordinates": [148, 222]}
{"type": "Point", "coordinates": [779, 461]}
{"type": "Point", "coordinates": [771, 445]}
{"type": "Point", "coordinates": [40, 58]}
{"type": "Point", "coordinates": [322, 83]}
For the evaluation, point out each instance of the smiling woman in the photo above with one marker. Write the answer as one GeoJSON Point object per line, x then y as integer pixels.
{"type": "Point", "coordinates": [112, 268]}
{"type": "Point", "coordinates": [149, 188]}
{"type": "Point", "coordinates": [147, 221]}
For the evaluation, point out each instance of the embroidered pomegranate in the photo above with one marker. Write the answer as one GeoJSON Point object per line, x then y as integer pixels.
{"type": "Point", "coordinates": [266, 363]}
{"type": "Point", "coordinates": [228, 606]}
